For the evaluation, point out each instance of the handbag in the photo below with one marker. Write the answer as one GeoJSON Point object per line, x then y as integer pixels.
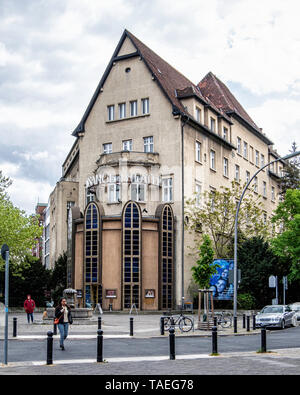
{"type": "Point", "coordinates": [56, 320]}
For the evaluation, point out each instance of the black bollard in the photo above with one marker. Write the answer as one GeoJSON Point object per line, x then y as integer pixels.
{"type": "Point", "coordinates": [172, 343]}
{"type": "Point", "coordinates": [215, 321]}
{"type": "Point", "coordinates": [248, 323]}
{"type": "Point", "coordinates": [235, 324]}
{"type": "Point", "coordinates": [253, 322]}
{"type": "Point", "coordinates": [99, 323]}
{"type": "Point", "coordinates": [99, 346]}
{"type": "Point", "coordinates": [131, 326]}
{"type": "Point", "coordinates": [162, 325]}
{"type": "Point", "coordinates": [14, 327]}
{"type": "Point", "coordinates": [263, 340]}
{"type": "Point", "coordinates": [50, 348]}
{"type": "Point", "coordinates": [54, 329]}
{"type": "Point", "coordinates": [214, 336]}
{"type": "Point", "coordinates": [244, 321]}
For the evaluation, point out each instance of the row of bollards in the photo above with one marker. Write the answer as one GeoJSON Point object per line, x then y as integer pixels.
{"type": "Point", "coordinates": [246, 322]}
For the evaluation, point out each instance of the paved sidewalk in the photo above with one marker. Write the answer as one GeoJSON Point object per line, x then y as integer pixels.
{"type": "Point", "coordinates": [113, 325]}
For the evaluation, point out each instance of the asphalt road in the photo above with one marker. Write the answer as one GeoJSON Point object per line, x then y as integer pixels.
{"type": "Point", "coordinates": [35, 350]}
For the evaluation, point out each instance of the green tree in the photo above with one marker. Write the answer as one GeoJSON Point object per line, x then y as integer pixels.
{"type": "Point", "coordinates": [215, 215]}
{"type": "Point", "coordinates": [257, 263]}
{"type": "Point", "coordinates": [18, 230]}
{"type": "Point", "coordinates": [287, 242]}
{"type": "Point", "coordinates": [291, 174]}
{"type": "Point", "coordinates": [204, 268]}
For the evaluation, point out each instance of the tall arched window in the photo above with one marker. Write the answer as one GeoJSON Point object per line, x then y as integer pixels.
{"type": "Point", "coordinates": [167, 257]}
{"type": "Point", "coordinates": [131, 255]}
{"type": "Point", "coordinates": [92, 274]}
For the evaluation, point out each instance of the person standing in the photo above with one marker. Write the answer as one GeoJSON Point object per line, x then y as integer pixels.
{"type": "Point", "coordinates": [63, 313]}
{"type": "Point", "coordinates": [29, 306]}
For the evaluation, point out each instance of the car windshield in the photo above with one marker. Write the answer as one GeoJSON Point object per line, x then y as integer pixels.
{"type": "Point", "coordinates": [295, 307]}
{"type": "Point", "coordinates": [272, 309]}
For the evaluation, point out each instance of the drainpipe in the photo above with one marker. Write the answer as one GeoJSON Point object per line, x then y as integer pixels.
{"type": "Point", "coordinates": [184, 120]}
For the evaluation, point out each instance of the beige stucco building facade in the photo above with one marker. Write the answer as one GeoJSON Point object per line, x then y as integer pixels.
{"type": "Point", "coordinates": [117, 209]}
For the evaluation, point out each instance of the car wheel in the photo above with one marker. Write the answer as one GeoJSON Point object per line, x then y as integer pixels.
{"type": "Point", "coordinates": [282, 326]}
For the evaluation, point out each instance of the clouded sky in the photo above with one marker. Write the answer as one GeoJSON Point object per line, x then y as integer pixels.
{"type": "Point", "coordinates": [53, 54]}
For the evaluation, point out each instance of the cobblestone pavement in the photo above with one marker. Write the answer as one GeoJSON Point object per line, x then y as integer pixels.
{"type": "Point", "coordinates": [279, 362]}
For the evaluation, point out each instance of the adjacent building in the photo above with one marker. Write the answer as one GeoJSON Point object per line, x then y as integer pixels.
{"type": "Point", "coordinates": [148, 137]}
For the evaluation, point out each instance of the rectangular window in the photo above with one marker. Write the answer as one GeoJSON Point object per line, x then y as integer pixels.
{"type": "Point", "coordinates": [198, 151]}
{"type": "Point", "coordinates": [239, 145]}
{"type": "Point", "coordinates": [114, 191]}
{"type": "Point", "coordinates": [262, 160]}
{"type": "Point", "coordinates": [138, 189]}
{"type": "Point", "coordinates": [198, 114]}
{"type": "Point", "coordinates": [245, 150]}
{"type": "Point", "coordinates": [148, 144]}
{"type": "Point", "coordinates": [257, 158]}
{"type": "Point", "coordinates": [247, 176]}
{"type": "Point", "coordinates": [111, 112]}
{"type": "Point", "coordinates": [145, 106]}
{"type": "Point", "coordinates": [237, 173]}
{"type": "Point", "coordinates": [251, 154]}
{"type": "Point", "coordinates": [225, 167]}
{"type": "Point", "coordinates": [133, 108]}
{"type": "Point", "coordinates": [213, 125]}
{"type": "Point", "coordinates": [122, 110]}
{"type": "Point", "coordinates": [167, 189]}
{"type": "Point", "coordinates": [127, 145]}
{"type": "Point", "coordinates": [107, 148]}
{"type": "Point", "coordinates": [264, 189]}
{"type": "Point", "coordinates": [212, 160]}
{"type": "Point", "coordinates": [273, 194]}
{"type": "Point", "coordinates": [255, 185]}
{"type": "Point", "coordinates": [225, 133]}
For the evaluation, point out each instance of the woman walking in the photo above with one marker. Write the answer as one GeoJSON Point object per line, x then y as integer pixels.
{"type": "Point", "coordinates": [63, 314]}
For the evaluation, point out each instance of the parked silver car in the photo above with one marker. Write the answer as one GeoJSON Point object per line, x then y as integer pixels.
{"type": "Point", "coordinates": [296, 308]}
{"type": "Point", "coordinates": [275, 316]}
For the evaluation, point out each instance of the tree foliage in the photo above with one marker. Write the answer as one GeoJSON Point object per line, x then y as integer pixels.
{"type": "Point", "coordinates": [204, 268]}
{"type": "Point", "coordinates": [287, 242]}
{"type": "Point", "coordinates": [215, 215]}
{"type": "Point", "coordinates": [291, 174]}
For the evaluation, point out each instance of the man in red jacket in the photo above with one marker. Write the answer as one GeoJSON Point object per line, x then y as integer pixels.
{"type": "Point", "coordinates": [29, 307]}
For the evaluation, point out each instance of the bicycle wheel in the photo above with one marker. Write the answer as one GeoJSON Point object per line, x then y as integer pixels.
{"type": "Point", "coordinates": [167, 323]}
{"type": "Point", "coordinates": [185, 324]}
{"type": "Point", "coordinates": [226, 321]}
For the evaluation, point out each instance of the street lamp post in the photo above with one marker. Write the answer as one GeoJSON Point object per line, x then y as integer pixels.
{"type": "Point", "coordinates": [235, 271]}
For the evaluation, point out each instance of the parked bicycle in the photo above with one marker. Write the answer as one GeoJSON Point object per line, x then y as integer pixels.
{"type": "Point", "coordinates": [184, 323]}
{"type": "Point", "coordinates": [224, 319]}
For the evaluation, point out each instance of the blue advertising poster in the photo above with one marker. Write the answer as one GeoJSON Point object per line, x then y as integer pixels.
{"type": "Point", "coordinates": [219, 282]}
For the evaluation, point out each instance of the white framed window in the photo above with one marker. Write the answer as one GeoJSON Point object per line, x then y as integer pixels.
{"type": "Point", "coordinates": [212, 159]}
{"type": "Point", "coordinates": [212, 124]}
{"type": "Point", "coordinates": [255, 185]}
{"type": "Point", "coordinates": [148, 144]}
{"type": "Point", "coordinates": [225, 133]}
{"type": "Point", "coordinates": [264, 189]}
{"type": "Point", "coordinates": [239, 145]}
{"type": "Point", "coordinates": [167, 189]}
{"type": "Point", "coordinates": [198, 114]}
{"type": "Point", "coordinates": [133, 108]}
{"type": "Point", "coordinates": [262, 160]}
{"type": "Point", "coordinates": [273, 194]}
{"type": "Point", "coordinates": [127, 145]}
{"type": "Point", "coordinates": [111, 112]}
{"type": "Point", "coordinates": [198, 191]}
{"type": "Point", "coordinates": [245, 153]}
{"type": "Point", "coordinates": [145, 106]}
{"type": "Point", "coordinates": [198, 151]}
{"type": "Point", "coordinates": [122, 110]}
{"type": "Point", "coordinates": [107, 148]}
{"type": "Point", "coordinates": [237, 173]}
{"type": "Point", "coordinates": [256, 158]}
{"type": "Point", "coordinates": [225, 167]}
{"type": "Point", "coordinates": [251, 154]}
{"type": "Point", "coordinates": [138, 189]}
{"type": "Point", "coordinates": [247, 176]}
{"type": "Point", "coordinates": [89, 197]}
{"type": "Point", "coordinates": [114, 191]}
